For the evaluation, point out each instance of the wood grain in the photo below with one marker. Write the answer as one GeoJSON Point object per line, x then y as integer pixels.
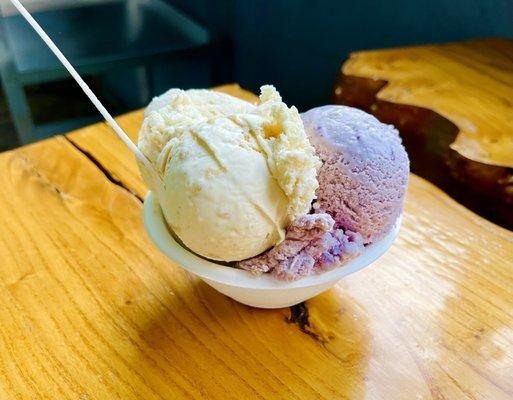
{"type": "Point", "coordinates": [469, 83]}
{"type": "Point", "coordinates": [89, 309]}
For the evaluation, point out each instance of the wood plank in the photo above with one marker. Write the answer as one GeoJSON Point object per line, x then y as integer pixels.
{"type": "Point", "coordinates": [452, 104]}
{"type": "Point", "coordinates": [91, 310]}
{"type": "Point", "coordinates": [89, 307]}
{"type": "Point", "coordinates": [469, 83]}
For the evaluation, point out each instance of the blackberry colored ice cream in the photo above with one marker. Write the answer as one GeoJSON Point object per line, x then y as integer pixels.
{"type": "Point", "coordinates": [312, 245]}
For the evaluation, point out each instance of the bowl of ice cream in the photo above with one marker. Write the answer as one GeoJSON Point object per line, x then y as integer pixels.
{"type": "Point", "coordinates": [268, 206]}
{"type": "Point", "coordinates": [262, 291]}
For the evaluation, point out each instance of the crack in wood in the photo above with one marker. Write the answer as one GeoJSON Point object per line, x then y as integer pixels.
{"type": "Point", "coordinates": [104, 170]}
{"type": "Point", "coordinates": [299, 316]}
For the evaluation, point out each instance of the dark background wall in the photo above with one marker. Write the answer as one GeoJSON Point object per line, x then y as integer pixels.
{"type": "Point", "coordinates": [299, 45]}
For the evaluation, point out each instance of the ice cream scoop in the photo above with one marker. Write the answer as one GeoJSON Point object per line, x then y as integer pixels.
{"type": "Point", "coordinates": [364, 172]}
{"type": "Point", "coordinates": [311, 246]}
{"type": "Point", "coordinates": [362, 182]}
{"type": "Point", "coordinates": [235, 174]}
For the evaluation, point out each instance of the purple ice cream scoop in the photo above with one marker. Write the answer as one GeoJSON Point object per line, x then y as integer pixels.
{"type": "Point", "coordinates": [364, 172]}
{"type": "Point", "coordinates": [362, 183]}
{"type": "Point", "coordinates": [311, 245]}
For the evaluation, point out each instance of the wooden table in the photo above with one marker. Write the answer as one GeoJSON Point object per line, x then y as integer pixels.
{"type": "Point", "coordinates": [89, 309]}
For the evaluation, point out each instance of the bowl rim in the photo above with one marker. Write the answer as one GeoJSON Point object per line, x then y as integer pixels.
{"type": "Point", "coordinates": [158, 231]}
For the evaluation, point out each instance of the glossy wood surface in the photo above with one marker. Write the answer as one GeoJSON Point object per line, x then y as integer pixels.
{"type": "Point", "coordinates": [89, 309]}
{"type": "Point", "coordinates": [453, 106]}
{"type": "Point", "coordinates": [469, 83]}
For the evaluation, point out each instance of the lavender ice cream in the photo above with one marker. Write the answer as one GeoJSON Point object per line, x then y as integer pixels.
{"type": "Point", "coordinates": [364, 172]}
{"type": "Point", "coordinates": [362, 183]}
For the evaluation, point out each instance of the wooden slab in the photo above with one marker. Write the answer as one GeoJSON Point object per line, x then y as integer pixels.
{"type": "Point", "coordinates": [469, 83]}
{"type": "Point", "coordinates": [89, 309]}
{"type": "Point", "coordinates": [453, 105]}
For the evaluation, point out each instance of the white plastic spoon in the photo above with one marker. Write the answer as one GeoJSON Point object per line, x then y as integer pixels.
{"type": "Point", "coordinates": [148, 167]}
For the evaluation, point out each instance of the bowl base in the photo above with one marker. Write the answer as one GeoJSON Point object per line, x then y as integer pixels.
{"type": "Point", "coordinates": [277, 298]}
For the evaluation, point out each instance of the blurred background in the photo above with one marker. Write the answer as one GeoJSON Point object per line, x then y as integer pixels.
{"type": "Point", "coordinates": [132, 50]}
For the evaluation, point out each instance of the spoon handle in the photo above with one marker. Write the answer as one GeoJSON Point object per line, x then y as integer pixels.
{"type": "Point", "coordinates": [103, 111]}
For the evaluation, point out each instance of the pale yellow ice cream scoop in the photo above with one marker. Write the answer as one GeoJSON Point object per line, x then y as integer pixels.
{"type": "Point", "coordinates": [235, 174]}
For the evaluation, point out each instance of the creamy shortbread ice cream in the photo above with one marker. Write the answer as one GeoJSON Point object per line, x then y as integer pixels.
{"type": "Point", "coordinates": [235, 174]}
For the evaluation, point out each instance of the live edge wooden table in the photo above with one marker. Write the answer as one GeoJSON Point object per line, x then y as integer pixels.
{"type": "Point", "coordinates": [89, 309]}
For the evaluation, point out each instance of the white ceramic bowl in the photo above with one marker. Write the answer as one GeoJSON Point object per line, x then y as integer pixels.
{"type": "Point", "coordinates": [258, 291]}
